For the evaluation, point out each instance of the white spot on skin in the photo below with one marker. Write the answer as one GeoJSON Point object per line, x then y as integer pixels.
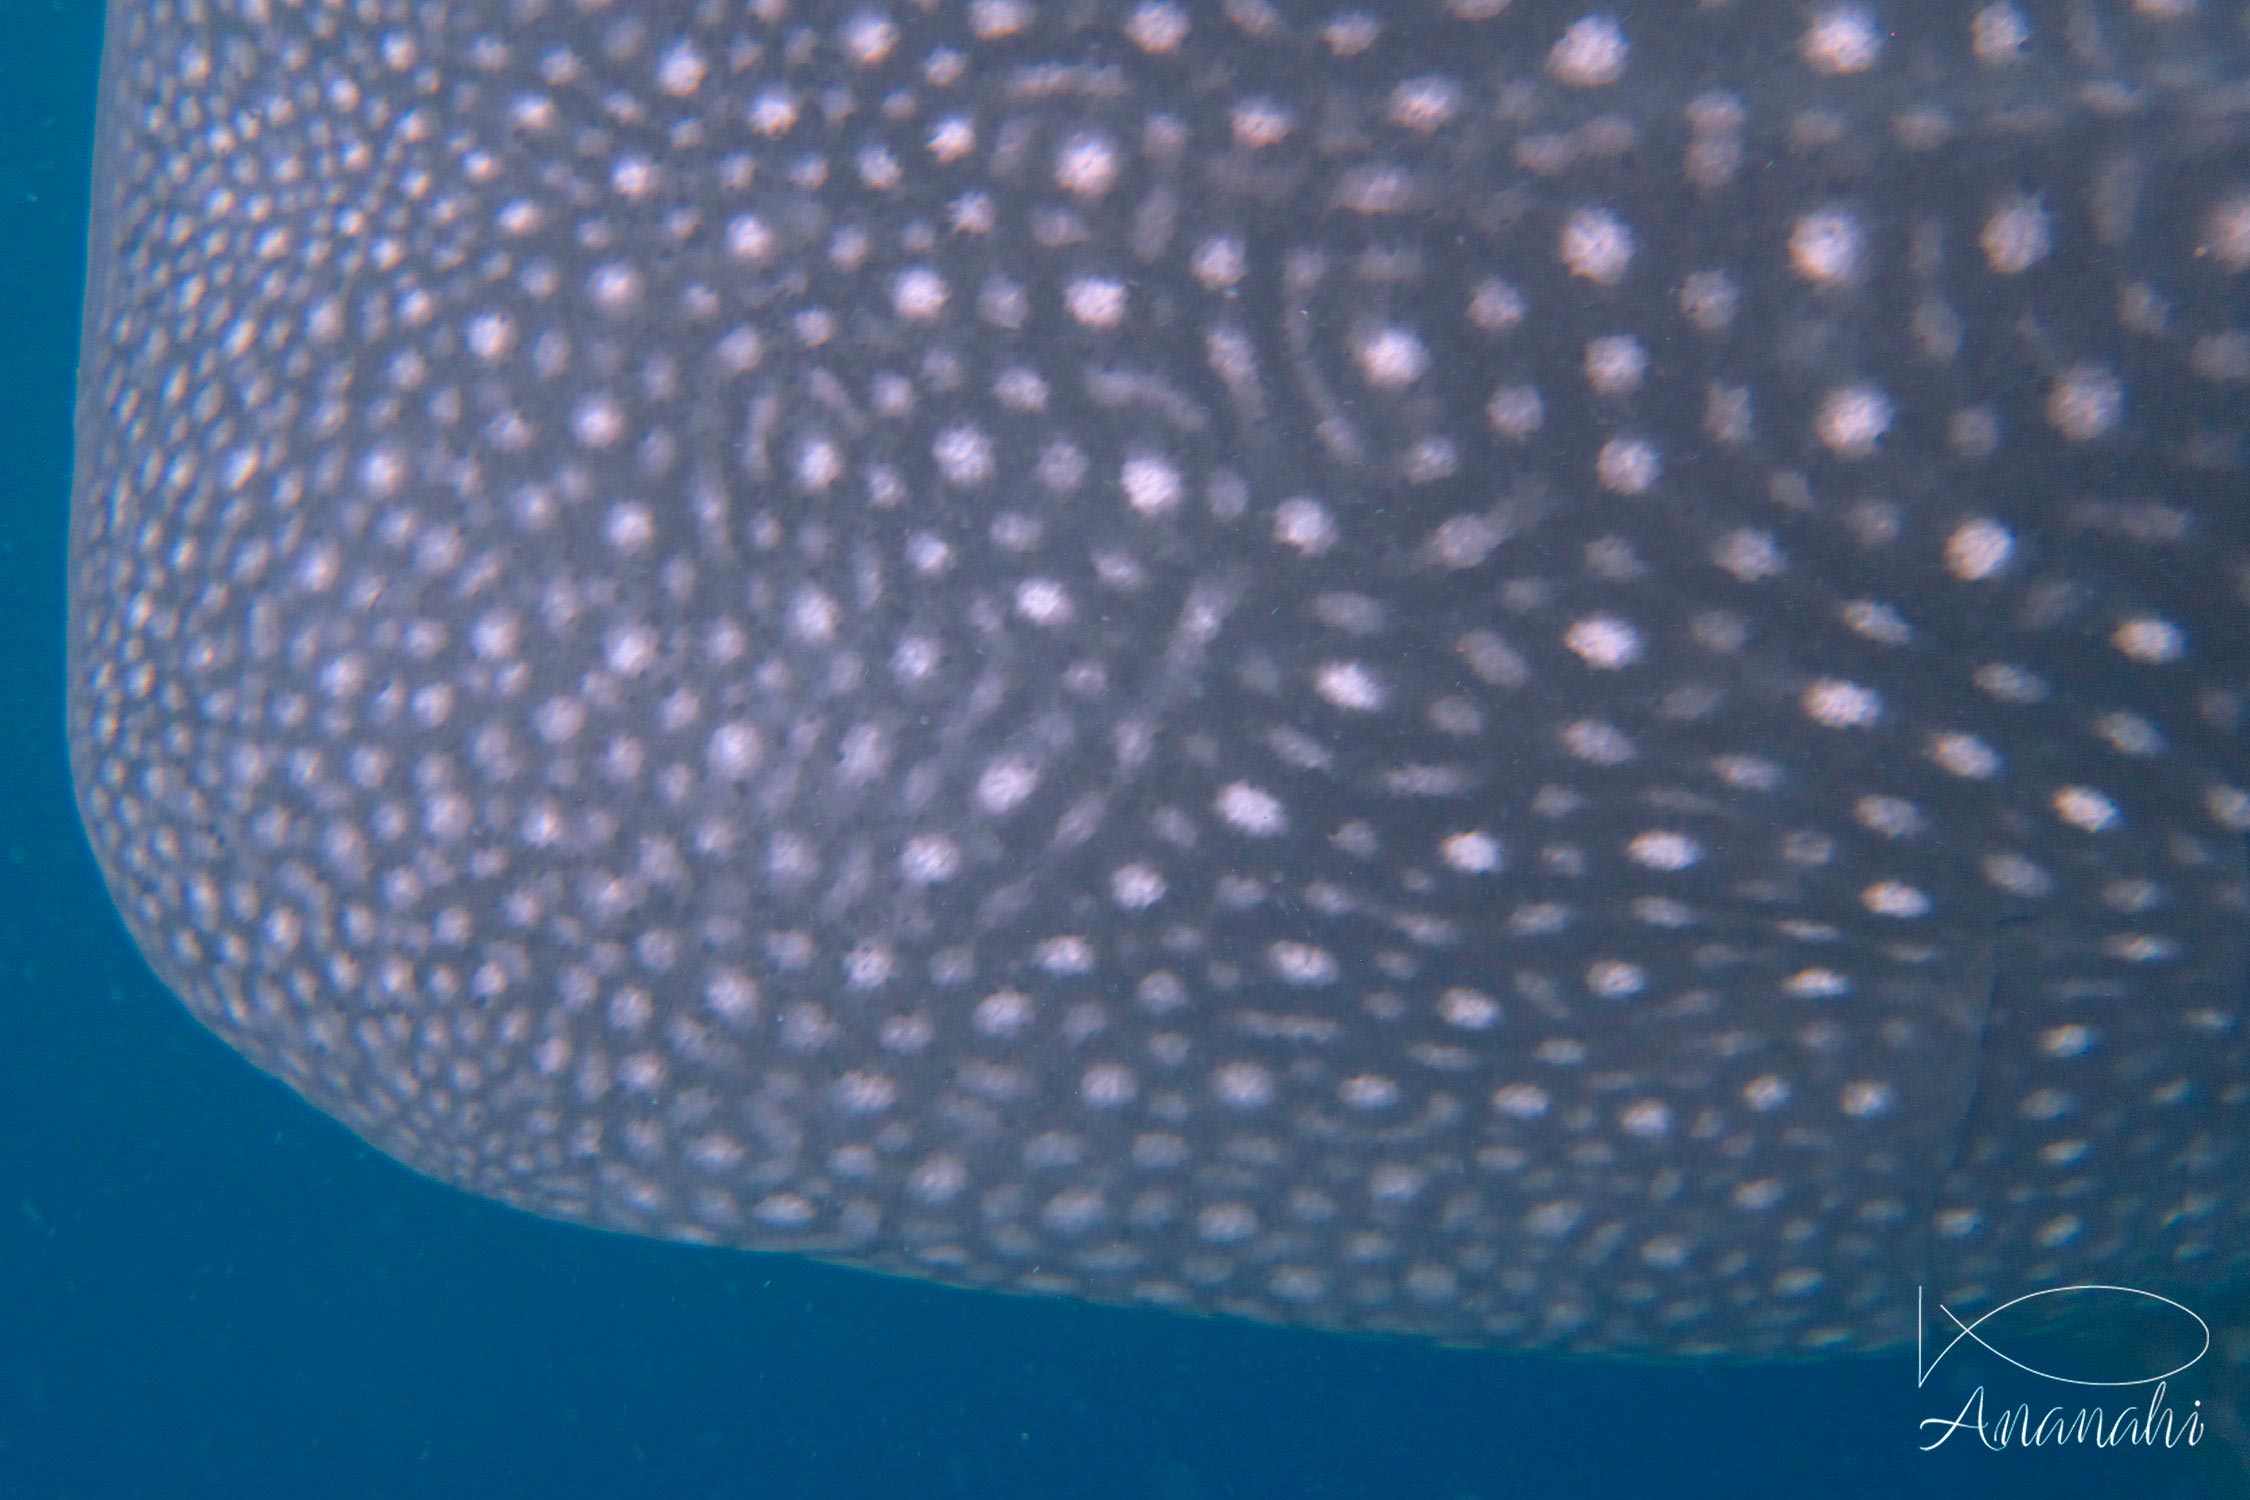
{"type": "Point", "coordinates": [1866, 1099]}
{"type": "Point", "coordinates": [1096, 301]}
{"type": "Point", "coordinates": [1757, 1195]}
{"type": "Point", "coordinates": [820, 463]}
{"type": "Point", "coordinates": [1302, 963]}
{"type": "Point", "coordinates": [1395, 1183]}
{"type": "Point", "coordinates": [1893, 817]}
{"type": "Point", "coordinates": [1495, 306]}
{"type": "Point", "coordinates": [1471, 853]}
{"type": "Point", "coordinates": [1468, 1009]}
{"type": "Point", "coordinates": [631, 650]}
{"type": "Point", "coordinates": [1136, 887]}
{"type": "Point", "coordinates": [1391, 357]}
{"type": "Point", "coordinates": [1252, 810]}
{"type": "Point", "coordinates": [2146, 638]}
{"type": "Point", "coordinates": [2229, 807]}
{"type": "Point", "coordinates": [1648, 1118]}
{"type": "Point", "coordinates": [1852, 421]}
{"type": "Point", "coordinates": [1978, 549]}
{"type": "Point", "coordinates": [1604, 641]}
{"type": "Point", "coordinates": [869, 39]}
{"type": "Point", "coordinates": [733, 996]}
{"type": "Point", "coordinates": [1367, 1091]}
{"type": "Point", "coordinates": [1521, 1101]}
{"type": "Point", "coordinates": [1349, 685]}
{"type": "Point", "coordinates": [1965, 755]}
{"type": "Point", "coordinates": [2017, 875]}
{"type": "Point", "coordinates": [598, 422]}
{"type": "Point", "coordinates": [1889, 898]}
{"type": "Point", "coordinates": [952, 139]}
{"type": "Point", "coordinates": [2084, 808]}
{"type": "Point", "coordinates": [1554, 1220]}
{"type": "Point", "coordinates": [814, 616]}
{"type": "Point", "coordinates": [1108, 1086]}
{"type": "Point", "coordinates": [1219, 263]}
{"type": "Point", "coordinates": [861, 1093]}
{"type": "Point", "coordinates": [1999, 35]}
{"type": "Point", "coordinates": [1006, 783]}
{"type": "Point", "coordinates": [1152, 485]}
{"type": "Point", "coordinates": [1613, 979]}
{"type": "Point", "coordinates": [1665, 1252]}
{"type": "Point", "coordinates": [1259, 124]}
{"type": "Point", "coordinates": [1003, 1013]}
{"type": "Point", "coordinates": [1828, 248]}
{"type": "Point", "coordinates": [2222, 357]}
{"type": "Point", "coordinates": [2129, 734]}
{"type": "Point", "coordinates": [1750, 555]}
{"type": "Point", "coordinates": [2226, 234]}
{"type": "Point", "coordinates": [783, 1211]}
{"type": "Point", "coordinates": [680, 70]}
{"type": "Point", "coordinates": [773, 113]}
{"type": "Point", "coordinates": [929, 859]}
{"type": "Point", "coordinates": [1616, 365]}
{"type": "Point", "coordinates": [750, 238]}
{"type": "Point", "coordinates": [492, 337]}
{"type": "Point", "coordinates": [964, 456]}
{"type": "Point", "coordinates": [1516, 411]}
{"type": "Point", "coordinates": [1157, 27]}
{"type": "Point", "coordinates": [919, 294]}
{"type": "Point", "coordinates": [1664, 851]}
{"type": "Point", "coordinates": [1837, 704]}
{"type": "Point", "coordinates": [1243, 1085]}
{"type": "Point", "coordinates": [2087, 403]}
{"type": "Point", "coordinates": [1599, 744]}
{"type": "Point", "coordinates": [1304, 525]}
{"type": "Point", "coordinates": [1842, 40]}
{"type": "Point", "coordinates": [1042, 601]}
{"type": "Point", "coordinates": [1767, 1092]}
{"type": "Point", "coordinates": [734, 751]}
{"type": "Point", "coordinates": [1227, 1223]}
{"type": "Point", "coordinates": [1593, 52]}
{"type": "Point", "coordinates": [383, 471]}
{"type": "Point", "coordinates": [1877, 621]}
{"type": "Point", "coordinates": [1086, 166]}
{"type": "Point", "coordinates": [1596, 245]}
{"type": "Point", "coordinates": [2017, 236]}
{"type": "Point", "coordinates": [1710, 299]}
{"type": "Point", "coordinates": [1073, 1211]}
{"type": "Point", "coordinates": [1466, 541]}
{"type": "Point", "coordinates": [1628, 466]}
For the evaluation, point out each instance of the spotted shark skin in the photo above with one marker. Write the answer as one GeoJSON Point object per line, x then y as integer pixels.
{"type": "Point", "coordinates": [1526, 673]}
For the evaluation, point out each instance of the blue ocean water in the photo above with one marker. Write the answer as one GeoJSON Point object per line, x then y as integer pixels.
{"type": "Point", "coordinates": [208, 1289]}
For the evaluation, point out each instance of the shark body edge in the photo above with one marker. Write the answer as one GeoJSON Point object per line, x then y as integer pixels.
{"type": "Point", "coordinates": [1490, 671]}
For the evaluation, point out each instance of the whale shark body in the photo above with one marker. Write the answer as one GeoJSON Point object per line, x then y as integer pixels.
{"type": "Point", "coordinates": [1536, 674]}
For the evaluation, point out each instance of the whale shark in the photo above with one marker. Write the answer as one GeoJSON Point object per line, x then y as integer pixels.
{"type": "Point", "coordinates": [1558, 675]}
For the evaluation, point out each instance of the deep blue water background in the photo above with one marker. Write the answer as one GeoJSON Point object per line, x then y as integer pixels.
{"type": "Point", "coordinates": [208, 1289]}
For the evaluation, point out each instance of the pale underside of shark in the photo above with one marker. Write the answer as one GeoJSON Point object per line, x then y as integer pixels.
{"type": "Point", "coordinates": [1535, 674]}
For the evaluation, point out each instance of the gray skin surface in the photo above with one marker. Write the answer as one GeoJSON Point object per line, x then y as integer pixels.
{"type": "Point", "coordinates": [1557, 677]}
